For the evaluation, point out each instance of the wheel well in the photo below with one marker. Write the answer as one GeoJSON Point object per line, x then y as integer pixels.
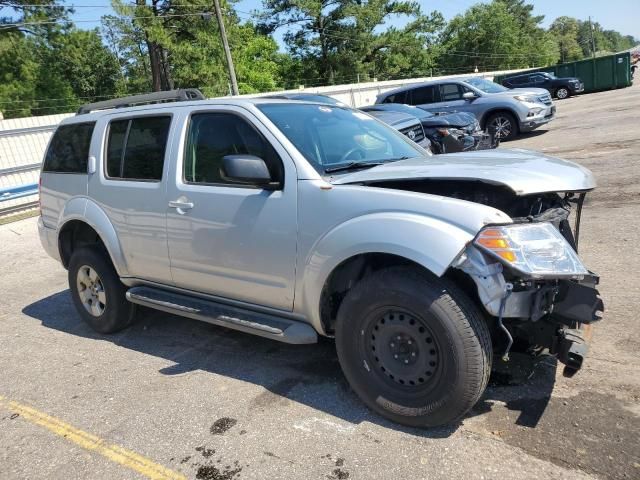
{"type": "Point", "coordinates": [76, 234]}
{"type": "Point", "coordinates": [486, 116]}
{"type": "Point", "coordinates": [346, 275]}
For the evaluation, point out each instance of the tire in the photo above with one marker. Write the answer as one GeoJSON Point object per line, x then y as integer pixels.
{"type": "Point", "coordinates": [440, 366]}
{"type": "Point", "coordinates": [104, 305]}
{"type": "Point", "coordinates": [562, 93]}
{"type": "Point", "coordinates": [504, 124]}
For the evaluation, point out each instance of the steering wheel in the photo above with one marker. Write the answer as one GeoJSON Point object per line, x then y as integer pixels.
{"type": "Point", "coordinates": [351, 151]}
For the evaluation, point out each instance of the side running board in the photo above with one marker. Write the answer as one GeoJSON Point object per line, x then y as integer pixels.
{"type": "Point", "coordinates": [264, 325]}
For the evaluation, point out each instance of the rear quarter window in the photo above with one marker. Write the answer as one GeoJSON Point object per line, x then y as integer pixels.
{"type": "Point", "coordinates": [68, 151]}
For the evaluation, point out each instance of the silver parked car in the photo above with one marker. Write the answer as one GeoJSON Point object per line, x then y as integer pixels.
{"type": "Point", "coordinates": [505, 111]}
{"type": "Point", "coordinates": [290, 220]}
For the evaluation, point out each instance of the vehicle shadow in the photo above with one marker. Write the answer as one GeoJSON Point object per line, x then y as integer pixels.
{"type": "Point", "coordinates": [532, 134]}
{"type": "Point", "coordinates": [308, 374]}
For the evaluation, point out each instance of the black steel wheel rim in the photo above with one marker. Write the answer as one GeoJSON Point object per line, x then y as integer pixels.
{"type": "Point", "coordinates": [402, 350]}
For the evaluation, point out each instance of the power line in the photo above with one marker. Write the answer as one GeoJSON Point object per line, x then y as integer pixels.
{"type": "Point", "coordinates": [50, 22]}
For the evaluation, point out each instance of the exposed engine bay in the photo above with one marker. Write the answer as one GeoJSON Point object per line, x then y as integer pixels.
{"type": "Point", "coordinates": [555, 208]}
{"type": "Point", "coordinates": [541, 314]}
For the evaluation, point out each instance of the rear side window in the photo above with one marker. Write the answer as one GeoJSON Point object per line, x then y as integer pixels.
{"type": "Point", "coordinates": [422, 95]}
{"type": "Point", "coordinates": [396, 98]}
{"type": "Point", "coordinates": [136, 148]}
{"type": "Point", "coordinates": [69, 149]}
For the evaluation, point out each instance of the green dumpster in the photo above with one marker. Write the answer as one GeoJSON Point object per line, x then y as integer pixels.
{"type": "Point", "coordinates": [600, 73]}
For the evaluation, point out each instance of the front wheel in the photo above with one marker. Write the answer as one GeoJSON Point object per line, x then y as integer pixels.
{"type": "Point", "coordinates": [413, 347]}
{"type": "Point", "coordinates": [562, 93]}
{"type": "Point", "coordinates": [504, 125]}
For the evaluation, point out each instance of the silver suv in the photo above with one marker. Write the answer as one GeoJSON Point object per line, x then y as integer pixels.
{"type": "Point", "coordinates": [503, 110]}
{"type": "Point", "coordinates": [291, 220]}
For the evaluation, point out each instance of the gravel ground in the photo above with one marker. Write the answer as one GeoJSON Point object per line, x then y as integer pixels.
{"type": "Point", "coordinates": [210, 403]}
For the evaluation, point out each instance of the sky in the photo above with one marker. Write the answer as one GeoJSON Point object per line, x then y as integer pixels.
{"type": "Point", "coordinates": [620, 15]}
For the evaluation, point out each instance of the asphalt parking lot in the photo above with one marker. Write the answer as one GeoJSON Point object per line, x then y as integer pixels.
{"type": "Point", "coordinates": [174, 398]}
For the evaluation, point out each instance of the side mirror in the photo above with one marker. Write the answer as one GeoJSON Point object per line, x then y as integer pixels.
{"type": "Point", "coordinates": [469, 95]}
{"type": "Point", "coordinates": [248, 170]}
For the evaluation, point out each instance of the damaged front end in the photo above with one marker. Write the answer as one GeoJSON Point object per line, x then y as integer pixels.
{"type": "Point", "coordinates": [529, 277]}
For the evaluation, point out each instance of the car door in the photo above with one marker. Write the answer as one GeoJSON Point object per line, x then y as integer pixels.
{"type": "Point", "coordinates": [538, 81]}
{"type": "Point", "coordinates": [129, 185]}
{"type": "Point", "coordinates": [225, 239]}
{"type": "Point", "coordinates": [425, 97]}
{"type": "Point", "coordinates": [451, 99]}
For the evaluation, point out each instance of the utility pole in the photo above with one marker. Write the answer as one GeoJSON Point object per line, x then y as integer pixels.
{"type": "Point", "coordinates": [593, 40]}
{"type": "Point", "coordinates": [227, 52]}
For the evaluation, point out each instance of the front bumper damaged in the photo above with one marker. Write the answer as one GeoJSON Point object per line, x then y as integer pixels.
{"type": "Point", "coordinates": [553, 315]}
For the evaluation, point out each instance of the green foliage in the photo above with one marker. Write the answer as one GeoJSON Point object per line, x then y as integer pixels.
{"type": "Point", "coordinates": [49, 66]}
{"type": "Point", "coordinates": [500, 35]}
{"type": "Point", "coordinates": [338, 41]}
{"type": "Point", "coordinates": [186, 41]}
{"type": "Point", "coordinates": [565, 32]}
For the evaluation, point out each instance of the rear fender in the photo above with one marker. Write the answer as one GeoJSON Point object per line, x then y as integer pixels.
{"type": "Point", "coordinates": [89, 212]}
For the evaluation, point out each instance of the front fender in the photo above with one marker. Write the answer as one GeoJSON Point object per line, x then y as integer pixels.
{"type": "Point", "coordinates": [427, 241]}
{"type": "Point", "coordinates": [86, 210]}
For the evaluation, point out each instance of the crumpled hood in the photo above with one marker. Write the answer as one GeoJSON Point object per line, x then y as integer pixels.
{"type": "Point", "coordinates": [393, 118]}
{"type": "Point", "coordinates": [457, 119]}
{"type": "Point", "coordinates": [523, 171]}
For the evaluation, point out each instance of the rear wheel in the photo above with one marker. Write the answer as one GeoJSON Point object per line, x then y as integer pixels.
{"type": "Point", "coordinates": [503, 124]}
{"type": "Point", "coordinates": [413, 347]}
{"type": "Point", "coordinates": [562, 93]}
{"type": "Point", "coordinates": [97, 292]}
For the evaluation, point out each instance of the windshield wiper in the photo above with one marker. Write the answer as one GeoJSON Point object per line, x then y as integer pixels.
{"type": "Point", "coordinates": [360, 164]}
{"type": "Point", "coordinates": [352, 166]}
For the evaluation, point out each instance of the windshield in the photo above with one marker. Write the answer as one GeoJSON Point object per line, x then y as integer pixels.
{"type": "Point", "coordinates": [485, 85]}
{"type": "Point", "coordinates": [317, 98]}
{"type": "Point", "coordinates": [331, 136]}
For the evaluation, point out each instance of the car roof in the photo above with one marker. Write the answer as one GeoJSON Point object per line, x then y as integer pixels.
{"type": "Point", "coordinates": [243, 102]}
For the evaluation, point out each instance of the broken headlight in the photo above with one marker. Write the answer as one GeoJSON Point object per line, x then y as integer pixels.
{"type": "Point", "coordinates": [537, 250]}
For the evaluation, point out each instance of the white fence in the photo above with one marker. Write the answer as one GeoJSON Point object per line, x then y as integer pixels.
{"type": "Point", "coordinates": [22, 145]}
{"type": "Point", "coordinates": [361, 94]}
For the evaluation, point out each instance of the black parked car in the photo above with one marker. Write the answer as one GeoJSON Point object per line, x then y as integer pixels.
{"type": "Point", "coordinates": [557, 87]}
{"type": "Point", "coordinates": [448, 132]}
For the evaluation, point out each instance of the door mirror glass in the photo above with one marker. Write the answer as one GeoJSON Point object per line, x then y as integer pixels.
{"type": "Point", "coordinates": [246, 169]}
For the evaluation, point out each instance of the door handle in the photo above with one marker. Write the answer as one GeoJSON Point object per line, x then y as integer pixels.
{"type": "Point", "coordinates": [180, 205]}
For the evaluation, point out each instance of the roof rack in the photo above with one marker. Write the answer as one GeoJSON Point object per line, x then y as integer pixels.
{"type": "Point", "coordinates": [180, 95]}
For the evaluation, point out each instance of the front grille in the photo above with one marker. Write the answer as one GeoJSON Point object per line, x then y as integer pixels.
{"type": "Point", "coordinates": [415, 133]}
{"type": "Point", "coordinates": [546, 99]}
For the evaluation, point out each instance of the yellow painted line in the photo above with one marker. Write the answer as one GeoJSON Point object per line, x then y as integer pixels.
{"type": "Point", "coordinates": [115, 453]}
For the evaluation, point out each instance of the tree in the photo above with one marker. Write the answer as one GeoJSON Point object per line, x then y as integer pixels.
{"type": "Point", "coordinates": [334, 41]}
{"type": "Point", "coordinates": [499, 35]}
{"type": "Point", "coordinates": [46, 65]}
{"type": "Point", "coordinates": [19, 72]}
{"type": "Point", "coordinates": [565, 32]}
{"type": "Point", "coordinates": [176, 45]}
